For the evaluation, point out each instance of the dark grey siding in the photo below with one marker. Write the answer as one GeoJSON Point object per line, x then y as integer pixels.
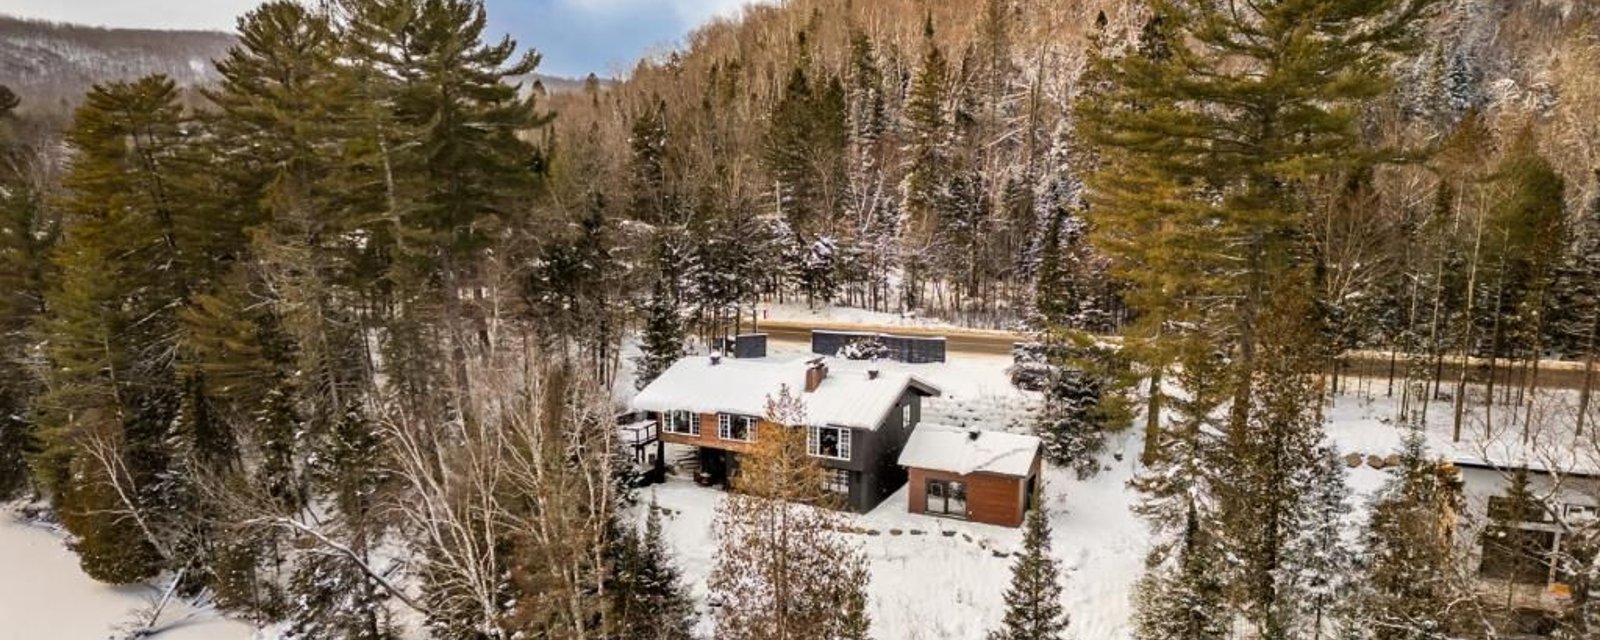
{"type": "Point", "coordinates": [875, 454]}
{"type": "Point", "coordinates": [750, 345]}
{"type": "Point", "coordinates": [911, 349]}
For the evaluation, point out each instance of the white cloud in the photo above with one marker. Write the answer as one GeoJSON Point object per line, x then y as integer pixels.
{"type": "Point", "coordinates": [147, 14]}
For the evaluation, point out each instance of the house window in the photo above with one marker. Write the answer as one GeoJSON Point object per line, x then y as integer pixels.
{"type": "Point", "coordinates": [946, 498]}
{"type": "Point", "coordinates": [905, 415]}
{"type": "Point", "coordinates": [682, 423]}
{"type": "Point", "coordinates": [836, 480]}
{"type": "Point", "coordinates": [829, 442]}
{"type": "Point", "coordinates": [737, 428]}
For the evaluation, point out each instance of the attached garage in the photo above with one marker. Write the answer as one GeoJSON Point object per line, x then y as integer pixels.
{"type": "Point", "coordinates": [968, 474]}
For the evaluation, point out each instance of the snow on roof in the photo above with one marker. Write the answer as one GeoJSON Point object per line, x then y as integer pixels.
{"type": "Point", "coordinates": [846, 397]}
{"type": "Point", "coordinates": [962, 451]}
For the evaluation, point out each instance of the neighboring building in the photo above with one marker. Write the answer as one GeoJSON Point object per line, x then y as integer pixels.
{"type": "Point", "coordinates": [982, 476]}
{"type": "Point", "coordinates": [857, 417]}
{"type": "Point", "coordinates": [1515, 567]}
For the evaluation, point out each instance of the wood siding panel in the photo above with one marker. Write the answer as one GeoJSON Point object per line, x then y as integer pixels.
{"type": "Point", "coordinates": [708, 435]}
{"type": "Point", "coordinates": [991, 499]}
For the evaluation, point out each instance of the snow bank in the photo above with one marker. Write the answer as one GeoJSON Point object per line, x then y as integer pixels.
{"type": "Point", "coordinates": [44, 596]}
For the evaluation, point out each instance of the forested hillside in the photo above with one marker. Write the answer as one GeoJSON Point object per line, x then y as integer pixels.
{"type": "Point", "coordinates": [333, 336]}
{"type": "Point", "coordinates": [53, 65]}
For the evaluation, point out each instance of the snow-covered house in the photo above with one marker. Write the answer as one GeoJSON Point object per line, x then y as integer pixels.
{"type": "Point", "coordinates": [857, 417]}
{"type": "Point", "coordinates": [983, 476]}
{"type": "Point", "coordinates": [1513, 549]}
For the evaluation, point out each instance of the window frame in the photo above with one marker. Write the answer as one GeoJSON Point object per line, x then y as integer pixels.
{"type": "Point", "coordinates": [726, 422]}
{"type": "Point", "coordinates": [691, 424]}
{"type": "Point", "coordinates": [842, 444]}
{"type": "Point", "coordinates": [836, 481]}
{"type": "Point", "coordinates": [946, 487]}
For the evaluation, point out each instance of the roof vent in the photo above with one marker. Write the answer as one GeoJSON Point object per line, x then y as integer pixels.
{"type": "Point", "coordinates": [716, 358]}
{"type": "Point", "coordinates": [973, 435]}
{"type": "Point", "coordinates": [872, 373]}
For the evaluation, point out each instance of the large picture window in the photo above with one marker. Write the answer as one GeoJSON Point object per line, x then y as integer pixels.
{"type": "Point", "coordinates": [829, 442]}
{"type": "Point", "coordinates": [946, 498]}
{"type": "Point", "coordinates": [737, 428]}
{"type": "Point", "coordinates": [682, 423]}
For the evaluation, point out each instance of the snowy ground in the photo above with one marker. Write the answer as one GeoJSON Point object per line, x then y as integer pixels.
{"type": "Point", "coordinates": [45, 596]}
{"type": "Point", "coordinates": [936, 578]}
{"type": "Point", "coordinates": [933, 578]}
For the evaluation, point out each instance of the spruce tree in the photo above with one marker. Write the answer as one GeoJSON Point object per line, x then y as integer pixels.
{"type": "Point", "coordinates": [1182, 595]}
{"type": "Point", "coordinates": [649, 601]}
{"type": "Point", "coordinates": [662, 341]}
{"type": "Point", "coordinates": [26, 236]}
{"type": "Point", "coordinates": [1320, 576]}
{"type": "Point", "coordinates": [1033, 602]}
{"type": "Point", "coordinates": [1414, 589]}
{"type": "Point", "coordinates": [924, 191]}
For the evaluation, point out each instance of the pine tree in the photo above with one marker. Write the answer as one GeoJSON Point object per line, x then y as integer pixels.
{"type": "Point", "coordinates": [1200, 136]}
{"type": "Point", "coordinates": [452, 127]}
{"type": "Point", "coordinates": [1033, 602]}
{"type": "Point", "coordinates": [924, 191]}
{"type": "Point", "coordinates": [649, 601]}
{"type": "Point", "coordinates": [1413, 588]}
{"type": "Point", "coordinates": [113, 399]}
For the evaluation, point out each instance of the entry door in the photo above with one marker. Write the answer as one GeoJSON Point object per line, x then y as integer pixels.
{"type": "Point", "coordinates": [947, 498]}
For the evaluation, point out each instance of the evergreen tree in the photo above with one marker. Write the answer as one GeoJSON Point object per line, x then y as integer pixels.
{"type": "Point", "coordinates": [1182, 595]}
{"type": "Point", "coordinates": [648, 598]}
{"type": "Point", "coordinates": [26, 237]}
{"type": "Point", "coordinates": [452, 129]}
{"type": "Point", "coordinates": [1319, 570]}
{"type": "Point", "coordinates": [1275, 461]}
{"type": "Point", "coordinates": [1200, 136]}
{"type": "Point", "coordinates": [1033, 603]}
{"type": "Point", "coordinates": [113, 399]}
{"type": "Point", "coordinates": [647, 145]}
{"type": "Point", "coordinates": [1073, 423]}
{"type": "Point", "coordinates": [662, 341]}
{"type": "Point", "coordinates": [1414, 590]}
{"type": "Point", "coordinates": [924, 191]}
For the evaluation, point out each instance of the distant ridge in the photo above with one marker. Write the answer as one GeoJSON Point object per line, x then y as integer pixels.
{"type": "Point", "coordinates": [51, 65]}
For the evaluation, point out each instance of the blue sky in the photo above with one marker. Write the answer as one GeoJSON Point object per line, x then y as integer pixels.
{"type": "Point", "coordinates": [575, 36]}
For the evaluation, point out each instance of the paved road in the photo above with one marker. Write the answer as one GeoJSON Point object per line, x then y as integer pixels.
{"type": "Point", "coordinates": [1552, 373]}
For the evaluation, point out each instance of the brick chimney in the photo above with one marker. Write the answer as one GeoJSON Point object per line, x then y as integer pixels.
{"type": "Point", "coordinates": [816, 370]}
